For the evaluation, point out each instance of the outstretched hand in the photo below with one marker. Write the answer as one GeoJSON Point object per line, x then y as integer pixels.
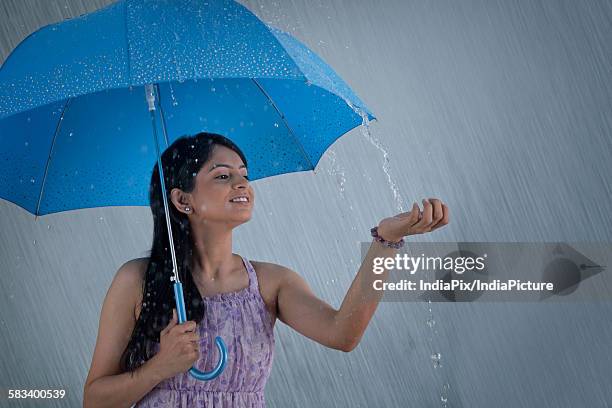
{"type": "Point", "coordinates": [434, 215]}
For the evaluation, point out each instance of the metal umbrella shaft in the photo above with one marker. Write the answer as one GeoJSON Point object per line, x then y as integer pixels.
{"type": "Point", "coordinates": [178, 286]}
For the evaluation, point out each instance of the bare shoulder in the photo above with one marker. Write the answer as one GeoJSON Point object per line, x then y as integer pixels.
{"type": "Point", "coordinates": [116, 320]}
{"type": "Point", "coordinates": [270, 272]}
{"type": "Point", "coordinates": [269, 278]}
{"type": "Point", "coordinates": [274, 273]}
{"type": "Point", "coordinates": [131, 274]}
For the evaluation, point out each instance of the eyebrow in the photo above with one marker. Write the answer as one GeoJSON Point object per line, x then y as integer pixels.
{"type": "Point", "coordinates": [214, 166]}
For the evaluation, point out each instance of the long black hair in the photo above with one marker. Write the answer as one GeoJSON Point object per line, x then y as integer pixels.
{"type": "Point", "coordinates": [181, 161]}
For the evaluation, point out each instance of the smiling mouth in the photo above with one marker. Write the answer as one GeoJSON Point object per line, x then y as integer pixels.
{"type": "Point", "coordinates": [240, 200]}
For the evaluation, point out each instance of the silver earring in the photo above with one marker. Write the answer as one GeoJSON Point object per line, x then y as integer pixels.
{"type": "Point", "coordinates": [187, 209]}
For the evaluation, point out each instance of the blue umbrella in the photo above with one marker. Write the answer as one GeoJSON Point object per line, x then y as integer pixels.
{"type": "Point", "coordinates": [71, 92]}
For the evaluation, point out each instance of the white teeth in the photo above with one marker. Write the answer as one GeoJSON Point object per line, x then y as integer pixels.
{"type": "Point", "coordinates": [244, 199]}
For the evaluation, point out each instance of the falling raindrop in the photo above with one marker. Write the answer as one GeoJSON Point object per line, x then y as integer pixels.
{"type": "Point", "coordinates": [435, 357]}
{"type": "Point", "coordinates": [337, 171]}
{"type": "Point", "coordinates": [32, 180]}
{"type": "Point", "coordinates": [365, 131]}
{"type": "Point", "coordinates": [431, 322]}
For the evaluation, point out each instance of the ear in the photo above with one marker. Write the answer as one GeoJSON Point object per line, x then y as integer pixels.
{"type": "Point", "coordinates": [181, 201]}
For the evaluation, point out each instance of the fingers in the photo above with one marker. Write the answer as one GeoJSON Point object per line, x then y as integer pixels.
{"type": "Point", "coordinates": [423, 224]}
{"type": "Point", "coordinates": [192, 341]}
{"type": "Point", "coordinates": [172, 323]}
{"type": "Point", "coordinates": [188, 327]}
{"type": "Point", "coordinates": [415, 214]}
{"type": "Point", "coordinates": [444, 220]}
{"type": "Point", "coordinates": [437, 212]}
{"type": "Point", "coordinates": [435, 215]}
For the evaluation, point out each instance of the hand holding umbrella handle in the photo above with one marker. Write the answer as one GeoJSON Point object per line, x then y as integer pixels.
{"type": "Point", "coordinates": [200, 375]}
{"type": "Point", "coordinates": [178, 286]}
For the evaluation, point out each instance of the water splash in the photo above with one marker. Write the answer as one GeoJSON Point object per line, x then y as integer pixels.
{"type": "Point", "coordinates": [435, 357]}
{"type": "Point", "coordinates": [444, 395]}
{"type": "Point", "coordinates": [365, 131]}
{"type": "Point", "coordinates": [336, 171]}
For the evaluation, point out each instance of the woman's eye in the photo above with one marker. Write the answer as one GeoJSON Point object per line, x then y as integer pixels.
{"type": "Point", "coordinates": [225, 175]}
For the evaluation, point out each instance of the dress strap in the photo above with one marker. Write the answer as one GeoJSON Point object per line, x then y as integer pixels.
{"type": "Point", "coordinates": [252, 275]}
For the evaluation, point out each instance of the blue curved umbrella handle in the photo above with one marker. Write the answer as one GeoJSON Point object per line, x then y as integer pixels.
{"type": "Point", "coordinates": [200, 375]}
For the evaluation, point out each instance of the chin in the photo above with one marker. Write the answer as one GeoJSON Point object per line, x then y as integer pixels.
{"type": "Point", "coordinates": [242, 218]}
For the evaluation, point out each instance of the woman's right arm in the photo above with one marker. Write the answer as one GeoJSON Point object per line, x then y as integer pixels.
{"type": "Point", "coordinates": [105, 386]}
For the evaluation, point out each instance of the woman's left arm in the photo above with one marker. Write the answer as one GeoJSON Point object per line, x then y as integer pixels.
{"type": "Point", "coordinates": [342, 329]}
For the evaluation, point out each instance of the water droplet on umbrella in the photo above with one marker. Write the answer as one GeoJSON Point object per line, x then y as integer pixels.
{"type": "Point", "coordinates": [275, 124]}
{"type": "Point", "coordinates": [32, 180]}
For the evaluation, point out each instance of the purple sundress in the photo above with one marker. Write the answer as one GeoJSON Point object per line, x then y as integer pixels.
{"type": "Point", "coordinates": [245, 325]}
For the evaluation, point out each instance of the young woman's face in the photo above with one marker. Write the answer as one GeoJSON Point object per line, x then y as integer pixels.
{"type": "Point", "coordinates": [220, 179]}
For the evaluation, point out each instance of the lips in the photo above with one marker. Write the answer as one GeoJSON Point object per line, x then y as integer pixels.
{"type": "Point", "coordinates": [244, 199]}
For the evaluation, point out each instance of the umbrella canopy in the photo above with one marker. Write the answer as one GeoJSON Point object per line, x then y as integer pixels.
{"type": "Point", "coordinates": [74, 126]}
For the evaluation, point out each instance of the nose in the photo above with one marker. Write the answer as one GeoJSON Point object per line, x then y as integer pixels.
{"type": "Point", "coordinates": [241, 182]}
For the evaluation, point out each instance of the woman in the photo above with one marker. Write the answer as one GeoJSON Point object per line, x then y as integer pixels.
{"type": "Point", "coordinates": [142, 355]}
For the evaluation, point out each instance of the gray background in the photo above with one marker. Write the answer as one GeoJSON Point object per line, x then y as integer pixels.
{"type": "Point", "coordinates": [500, 108]}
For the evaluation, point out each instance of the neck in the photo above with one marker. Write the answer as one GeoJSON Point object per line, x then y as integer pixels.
{"type": "Point", "coordinates": [212, 251]}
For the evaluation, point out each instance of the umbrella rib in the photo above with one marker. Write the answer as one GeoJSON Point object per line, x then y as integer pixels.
{"type": "Point", "coordinates": [161, 113]}
{"type": "Point", "coordinates": [57, 129]}
{"type": "Point", "coordinates": [285, 122]}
